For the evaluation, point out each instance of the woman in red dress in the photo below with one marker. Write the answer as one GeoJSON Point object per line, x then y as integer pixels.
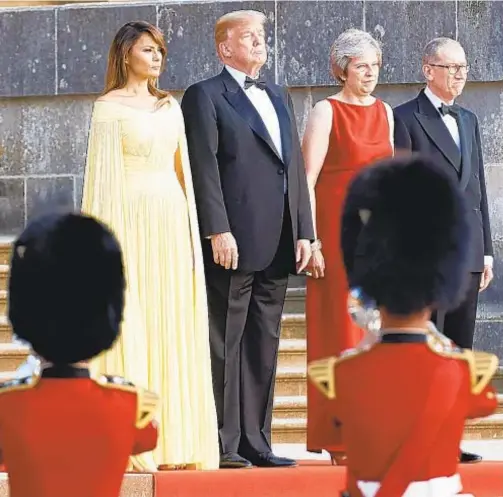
{"type": "Point", "coordinates": [345, 132]}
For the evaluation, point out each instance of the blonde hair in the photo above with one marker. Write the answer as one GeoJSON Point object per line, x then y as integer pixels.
{"type": "Point", "coordinates": [350, 44]}
{"type": "Point", "coordinates": [230, 20]}
{"type": "Point", "coordinates": [117, 71]}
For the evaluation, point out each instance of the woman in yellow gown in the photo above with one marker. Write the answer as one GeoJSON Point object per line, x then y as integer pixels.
{"type": "Point", "coordinates": [138, 181]}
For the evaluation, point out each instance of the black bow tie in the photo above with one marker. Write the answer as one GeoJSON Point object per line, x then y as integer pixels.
{"type": "Point", "coordinates": [445, 110]}
{"type": "Point", "coordinates": [259, 83]}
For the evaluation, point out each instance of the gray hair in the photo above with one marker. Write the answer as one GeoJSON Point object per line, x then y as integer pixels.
{"type": "Point", "coordinates": [350, 44]}
{"type": "Point", "coordinates": [430, 51]}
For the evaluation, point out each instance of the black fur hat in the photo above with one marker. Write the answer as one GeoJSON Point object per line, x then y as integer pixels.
{"type": "Point", "coordinates": [66, 287]}
{"type": "Point", "coordinates": [405, 236]}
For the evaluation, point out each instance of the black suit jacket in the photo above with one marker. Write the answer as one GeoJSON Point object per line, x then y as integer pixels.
{"type": "Point", "coordinates": [237, 172]}
{"type": "Point", "coordinates": [419, 128]}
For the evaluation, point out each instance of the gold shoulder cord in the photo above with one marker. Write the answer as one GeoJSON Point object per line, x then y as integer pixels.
{"type": "Point", "coordinates": [146, 402]}
{"type": "Point", "coordinates": [482, 365]}
{"type": "Point", "coordinates": [115, 382]}
{"type": "Point", "coordinates": [321, 373]}
{"type": "Point", "coordinates": [147, 405]}
{"type": "Point", "coordinates": [19, 384]}
{"type": "Point", "coordinates": [485, 366]}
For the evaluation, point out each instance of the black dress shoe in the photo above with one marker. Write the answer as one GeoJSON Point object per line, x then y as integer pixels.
{"type": "Point", "coordinates": [231, 460]}
{"type": "Point", "coordinates": [269, 460]}
{"type": "Point", "coordinates": [468, 457]}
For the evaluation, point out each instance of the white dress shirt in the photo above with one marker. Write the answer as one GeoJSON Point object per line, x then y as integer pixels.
{"type": "Point", "coordinates": [449, 121]}
{"type": "Point", "coordinates": [262, 103]}
{"type": "Point", "coordinates": [452, 127]}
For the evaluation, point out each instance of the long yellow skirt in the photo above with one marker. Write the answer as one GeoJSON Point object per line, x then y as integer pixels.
{"type": "Point", "coordinates": [161, 347]}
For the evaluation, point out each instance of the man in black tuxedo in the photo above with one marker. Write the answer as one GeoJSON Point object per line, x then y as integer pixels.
{"type": "Point", "coordinates": [434, 125]}
{"type": "Point", "coordinates": [256, 225]}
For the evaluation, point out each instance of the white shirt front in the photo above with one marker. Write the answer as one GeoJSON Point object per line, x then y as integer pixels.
{"type": "Point", "coordinates": [449, 121]}
{"type": "Point", "coordinates": [262, 103]}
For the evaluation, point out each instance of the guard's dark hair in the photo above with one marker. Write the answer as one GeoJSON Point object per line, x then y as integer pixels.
{"type": "Point", "coordinates": [405, 237]}
{"type": "Point", "coordinates": [66, 287]}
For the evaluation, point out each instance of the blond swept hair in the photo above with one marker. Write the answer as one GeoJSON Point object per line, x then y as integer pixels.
{"type": "Point", "coordinates": [231, 20]}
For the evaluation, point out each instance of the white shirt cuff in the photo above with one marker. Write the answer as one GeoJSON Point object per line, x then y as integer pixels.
{"type": "Point", "coordinates": [488, 260]}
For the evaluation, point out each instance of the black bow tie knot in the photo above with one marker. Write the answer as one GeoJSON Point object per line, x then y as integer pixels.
{"type": "Point", "coordinates": [446, 110]}
{"type": "Point", "coordinates": [259, 83]}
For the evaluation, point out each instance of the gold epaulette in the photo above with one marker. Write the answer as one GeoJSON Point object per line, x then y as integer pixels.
{"type": "Point", "coordinates": [321, 373]}
{"type": "Point", "coordinates": [18, 384]}
{"type": "Point", "coordinates": [482, 365]}
{"type": "Point", "coordinates": [147, 402]}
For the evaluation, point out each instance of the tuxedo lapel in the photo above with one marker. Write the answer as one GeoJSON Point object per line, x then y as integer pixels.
{"type": "Point", "coordinates": [237, 98]}
{"type": "Point", "coordinates": [284, 124]}
{"type": "Point", "coordinates": [432, 124]}
{"type": "Point", "coordinates": [466, 149]}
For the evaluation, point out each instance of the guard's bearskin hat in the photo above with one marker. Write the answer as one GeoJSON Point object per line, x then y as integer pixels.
{"type": "Point", "coordinates": [66, 287]}
{"type": "Point", "coordinates": [405, 237]}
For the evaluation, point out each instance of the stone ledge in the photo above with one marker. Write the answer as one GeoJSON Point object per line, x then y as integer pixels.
{"type": "Point", "coordinates": [63, 49]}
{"type": "Point", "coordinates": [134, 485]}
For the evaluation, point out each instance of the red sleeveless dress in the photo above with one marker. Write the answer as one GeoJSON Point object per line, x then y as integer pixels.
{"type": "Point", "coordinates": [360, 135]}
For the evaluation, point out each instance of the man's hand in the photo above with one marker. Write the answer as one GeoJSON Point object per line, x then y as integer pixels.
{"type": "Point", "coordinates": [486, 278]}
{"type": "Point", "coordinates": [303, 254]}
{"type": "Point", "coordinates": [225, 250]}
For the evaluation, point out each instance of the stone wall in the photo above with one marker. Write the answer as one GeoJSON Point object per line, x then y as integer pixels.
{"type": "Point", "coordinates": [52, 65]}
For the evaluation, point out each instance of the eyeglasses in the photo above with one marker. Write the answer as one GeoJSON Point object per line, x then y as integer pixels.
{"type": "Point", "coordinates": [453, 68]}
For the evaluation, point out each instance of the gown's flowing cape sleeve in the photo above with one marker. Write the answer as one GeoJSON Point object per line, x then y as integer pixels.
{"type": "Point", "coordinates": [103, 197]}
{"type": "Point", "coordinates": [103, 192]}
{"type": "Point", "coordinates": [184, 174]}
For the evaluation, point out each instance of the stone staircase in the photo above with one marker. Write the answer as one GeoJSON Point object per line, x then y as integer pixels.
{"type": "Point", "coordinates": [290, 401]}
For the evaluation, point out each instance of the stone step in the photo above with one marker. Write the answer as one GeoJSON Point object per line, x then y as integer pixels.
{"type": "Point", "coordinates": [3, 302]}
{"type": "Point", "coordinates": [500, 403]}
{"type": "Point", "coordinates": [293, 325]}
{"type": "Point", "coordinates": [295, 301]}
{"type": "Point", "coordinates": [292, 406]}
{"type": "Point", "coordinates": [5, 249]}
{"type": "Point", "coordinates": [12, 355]}
{"type": "Point", "coordinates": [497, 381]}
{"type": "Point", "coordinates": [289, 430]}
{"type": "Point", "coordinates": [297, 281]}
{"type": "Point", "coordinates": [293, 429]}
{"type": "Point", "coordinates": [290, 381]}
{"type": "Point", "coordinates": [5, 330]}
{"type": "Point", "coordinates": [292, 352]}
{"type": "Point", "coordinates": [4, 277]}
{"type": "Point", "coordinates": [489, 428]}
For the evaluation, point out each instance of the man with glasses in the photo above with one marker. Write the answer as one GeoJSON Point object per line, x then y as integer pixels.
{"type": "Point", "coordinates": [434, 125]}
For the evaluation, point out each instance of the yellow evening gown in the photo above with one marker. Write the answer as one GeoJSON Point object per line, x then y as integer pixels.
{"type": "Point", "coordinates": [138, 181]}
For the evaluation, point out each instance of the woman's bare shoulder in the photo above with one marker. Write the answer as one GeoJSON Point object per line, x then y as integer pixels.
{"type": "Point", "coordinates": [322, 111]}
{"type": "Point", "coordinates": [111, 96]}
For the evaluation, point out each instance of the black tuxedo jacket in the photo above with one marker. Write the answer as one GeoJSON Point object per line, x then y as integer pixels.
{"type": "Point", "coordinates": [419, 128]}
{"type": "Point", "coordinates": [237, 173]}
